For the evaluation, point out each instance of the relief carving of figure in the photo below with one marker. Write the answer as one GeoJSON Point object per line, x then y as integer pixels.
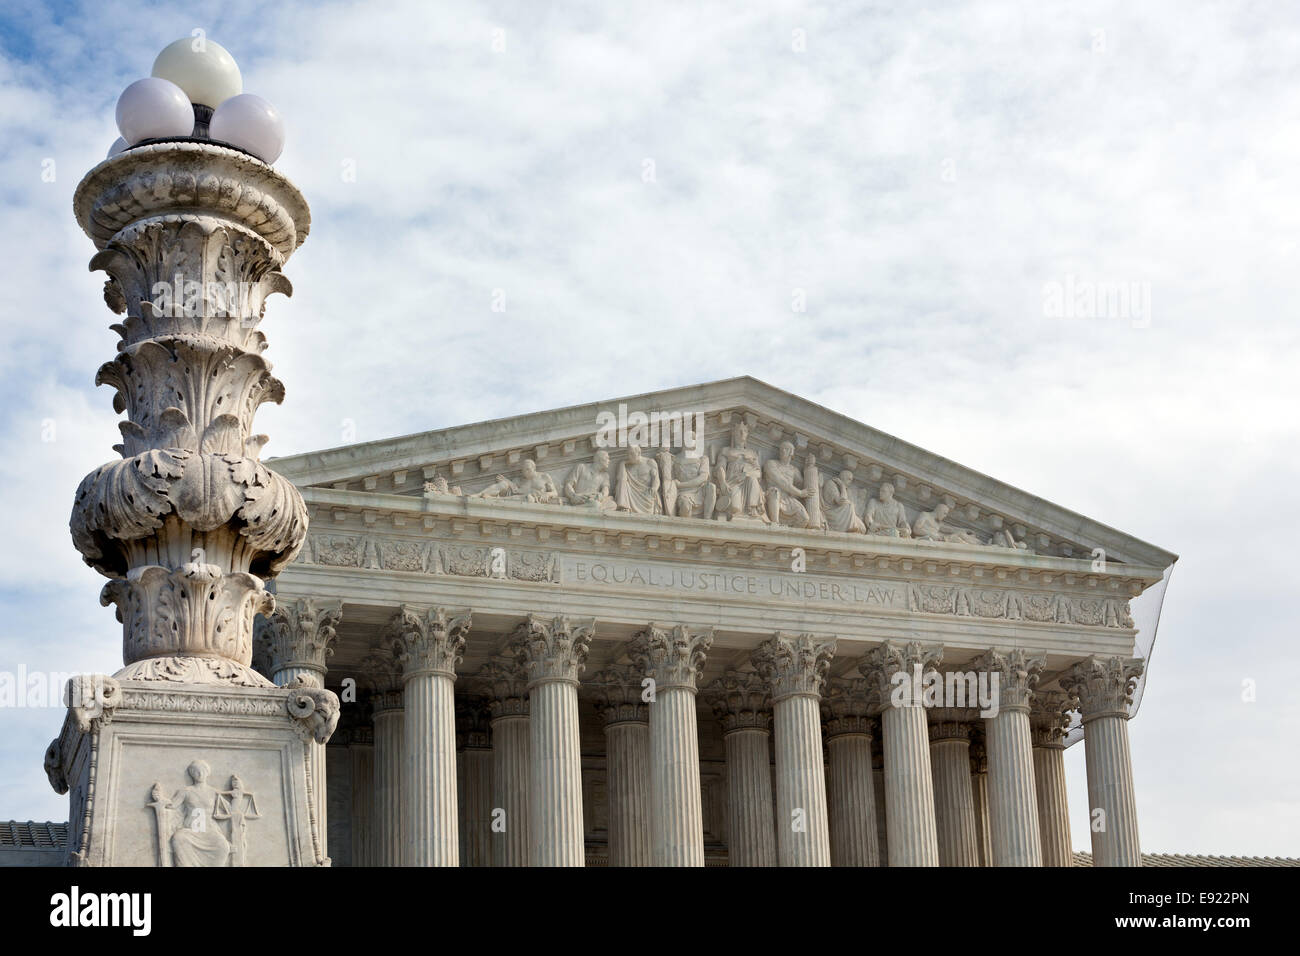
{"type": "Point", "coordinates": [238, 806]}
{"type": "Point", "coordinates": [929, 526]}
{"type": "Point", "coordinates": [638, 484]}
{"type": "Point", "coordinates": [438, 486]}
{"type": "Point", "coordinates": [837, 504]}
{"type": "Point", "coordinates": [886, 515]}
{"type": "Point", "coordinates": [588, 485]}
{"type": "Point", "coordinates": [740, 490]}
{"type": "Point", "coordinates": [688, 490]}
{"type": "Point", "coordinates": [196, 839]}
{"type": "Point", "coordinates": [533, 485]}
{"type": "Point", "coordinates": [784, 497]}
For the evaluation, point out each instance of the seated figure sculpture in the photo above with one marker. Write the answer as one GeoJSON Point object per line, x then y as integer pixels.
{"type": "Point", "coordinates": [638, 484]}
{"type": "Point", "coordinates": [737, 473]}
{"type": "Point", "coordinates": [886, 515]}
{"type": "Point", "coordinates": [687, 490]}
{"type": "Point", "coordinates": [588, 484]}
{"type": "Point", "coordinates": [784, 497]}
{"type": "Point", "coordinates": [838, 507]}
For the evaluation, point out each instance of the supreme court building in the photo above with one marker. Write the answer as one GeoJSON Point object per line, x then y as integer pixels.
{"type": "Point", "coordinates": [697, 627]}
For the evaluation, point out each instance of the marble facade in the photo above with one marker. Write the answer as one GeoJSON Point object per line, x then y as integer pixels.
{"type": "Point", "coordinates": [686, 655]}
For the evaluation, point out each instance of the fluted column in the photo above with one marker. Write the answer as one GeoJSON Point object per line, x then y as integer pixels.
{"type": "Point", "coordinates": [428, 643]}
{"type": "Point", "coordinates": [878, 783]}
{"type": "Point", "coordinates": [954, 800]}
{"type": "Point", "coordinates": [1104, 687]}
{"type": "Point", "coordinates": [388, 835]}
{"type": "Point", "coordinates": [742, 704]}
{"type": "Point", "coordinates": [296, 640]}
{"type": "Point", "coordinates": [795, 667]}
{"type": "Point", "coordinates": [673, 657]}
{"type": "Point", "coordinates": [474, 781]}
{"type": "Point", "coordinates": [553, 652]}
{"type": "Point", "coordinates": [979, 785]}
{"type": "Point", "coordinates": [618, 694]}
{"type": "Point", "coordinates": [851, 793]}
{"type": "Point", "coordinates": [909, 786]}
{"type": "Point", "coordinates": [361, 751]}
{"type": "Point", "coordinates": [1048, 721]}
{"type": "Point", "coordinates": [506, 686]}
{"type": "Point", "coordinates": [1013, 804]}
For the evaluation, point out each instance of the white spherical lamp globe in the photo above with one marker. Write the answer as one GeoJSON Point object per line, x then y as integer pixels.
{"type": "Point", "coordinates": [205, 70]}
{"type": "Point", "coordinates": [252, 124]}
{"type": "Point", "coordinates": [119, 144]}
{"type": "Point", "coordinates": [153, 109]}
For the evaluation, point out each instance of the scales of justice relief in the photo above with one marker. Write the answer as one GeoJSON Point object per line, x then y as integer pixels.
{"type": "Point", "coordinates": [190, 824]}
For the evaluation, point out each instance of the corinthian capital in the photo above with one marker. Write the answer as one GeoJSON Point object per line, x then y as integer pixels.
{"type": "Point", "coordinates": [1104, 685]}
{"type": "Point", "coordinates": [428, 641]}
{"type": "Point", "coordinates": [794, 664]}
{"type": "Point", "coordinates": [847, 706]}
{"type": "Point", "coordinates": [674, 656]}
{"type": "Point", "coordinates": [883, 665]}
{"type": "Point", "coordinates": [1017, 675]}
{"type": "Point", "coordinates": [616, 693]}
{"type": "Point", "coordinates": [741, 700]}
{"type": "Point", "coordinates": [1049, 717]}
{"type": "Point", "coordinates": [300, 635]}
{"type": "Point", "coordinates": [505, 685]}
{"type": "Point", "coordinates": [552, 649]}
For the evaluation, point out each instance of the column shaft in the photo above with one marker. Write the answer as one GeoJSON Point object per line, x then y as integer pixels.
{"type": "Point", "coordinates": [803, 835]}
{"type": "Point", "coordinates": [954, 802]}
{"type": "Point", "coordinates": [853, 832]}
{"type": "Point", "coordinates": [979, 784]}
{"type": "Point", "coordinates": [555, 821]}
{"type": "Point", "coordinates": [511, 778]}
{"type": "Point", "coordinates": [627, 750]}
{"type": "Point", "coordinates": [1110, 788]}
{"type": "Point", "coordinates": [751, 840]}
{"type": "Point", "coordinates": [1053, 805]}
{"type": "Point", "coordinates": [430, 791]}
{"type": "Point", "coordinates": [388, 835]}
{"type": "Point", "coordinates": [1013, 806]}
{"type": "Point", "coordinates": [677, 820]}
{"type": "Point", "coordinates": [363, 802]}
{"type": "Point", "coordinates": [475, 806]}
{"type": "Point", "coordinates": [909, 788]}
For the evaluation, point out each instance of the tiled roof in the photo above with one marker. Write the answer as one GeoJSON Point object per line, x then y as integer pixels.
{"type": "Point", "coordinates": [30, 835]}
{"type": "Point", "coordinates": [1192, 859]}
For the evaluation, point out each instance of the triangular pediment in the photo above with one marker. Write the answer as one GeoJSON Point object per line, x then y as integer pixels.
{"type": "Point", "coordinates": [489, 458]}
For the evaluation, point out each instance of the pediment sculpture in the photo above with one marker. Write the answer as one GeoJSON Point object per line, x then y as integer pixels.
{"type": "Point", "coordinates": [733, 482]}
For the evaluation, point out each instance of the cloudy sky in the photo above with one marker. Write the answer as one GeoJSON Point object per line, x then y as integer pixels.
{"type": "Point", "coordinates": [650, 189]}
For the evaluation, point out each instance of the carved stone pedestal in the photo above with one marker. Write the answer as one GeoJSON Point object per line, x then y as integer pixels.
{"type": "Point", "coordinates": [172, 774]}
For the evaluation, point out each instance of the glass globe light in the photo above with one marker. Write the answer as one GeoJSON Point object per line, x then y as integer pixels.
{"type": "Point", "coordinates": [119, 144]}
{"type": "Point", "coordinates": [252, 124]}
{"type": "Point", "coordinates": [209, 75]}
{"type": "Point", "coordinates": [153, 109]}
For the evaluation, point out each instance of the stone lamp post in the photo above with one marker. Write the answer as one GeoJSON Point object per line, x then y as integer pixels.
{"type": "Point", "coordinates": [188, 756]}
